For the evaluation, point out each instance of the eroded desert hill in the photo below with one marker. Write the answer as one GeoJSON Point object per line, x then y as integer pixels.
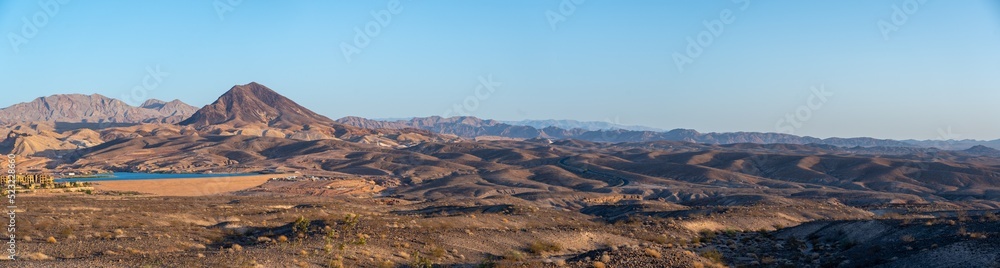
{"type": "Point", "coordinates": [78, 108]}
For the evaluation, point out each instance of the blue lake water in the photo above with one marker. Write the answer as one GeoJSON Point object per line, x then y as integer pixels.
{"type": "Point", "coordinates": [124, 176]}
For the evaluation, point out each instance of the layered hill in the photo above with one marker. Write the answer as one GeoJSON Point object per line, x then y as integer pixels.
{"type": "Point", "coordinates": [78, 108]}
{"type": "Point", "coordinates": [471, 127]}
{"type": "Point", "coordinates": [578, 174]}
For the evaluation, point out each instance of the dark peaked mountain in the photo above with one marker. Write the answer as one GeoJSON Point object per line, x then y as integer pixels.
{"type": "Point", "coordinates": [79, 108]}
{"type": "Point", "coordinates": [254, 104]}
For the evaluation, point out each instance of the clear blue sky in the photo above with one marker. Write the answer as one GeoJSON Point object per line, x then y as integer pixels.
{"type": "Point", "coordinates": [607, 61]}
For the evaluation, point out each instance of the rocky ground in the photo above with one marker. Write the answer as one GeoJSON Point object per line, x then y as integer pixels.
{"type": "Point", "coordinates": [115, 229]}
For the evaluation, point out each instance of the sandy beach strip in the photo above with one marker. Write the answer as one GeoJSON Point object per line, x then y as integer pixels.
{"type": "Point", "coordinates": [187, 186]}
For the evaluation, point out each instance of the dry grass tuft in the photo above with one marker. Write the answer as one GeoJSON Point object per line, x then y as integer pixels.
{"type": "Point", "coordinates": [713, 255]}
{"type": "Point", "coordinates": [653, 253]}
{"type": "Point", "coordinates": [907, 238]}
{"type": "Point", "coordinates": [539, 247]}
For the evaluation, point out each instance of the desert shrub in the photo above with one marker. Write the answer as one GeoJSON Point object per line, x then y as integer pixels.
{"type": "Point", "coordinates": [653, 253]}
{"type": "Point", "coordinates": [421, 262]}
{"type": "Point", "coordinates": [66, 232]}
{"type": "Point", "coordinates": [361, 240]}
{"type": "Point", "coordinates": [487, 263]}
{"type": "Point", "coordinates": [386, 264]}
{"type": "Point", "coordinates": [539, 247]}
{"type": "Point", "coordinates": [282, 239]}
{"type": "Point", "coordinates": [707, 235]}
{"type": "Point", "coordinates": [237, 247]}
{"type": "Point", "coordinates": [907, 238]}
{"type": "Point", "coordinates": [438, 252]}
{"type": "Point", "coordinates": [962, 216]}
{"type": "Point", "coordinates": [301, 225]}
{"type": "Point", "coordinates": [713, 255]}
{"type": "Point", "coordinates": [794, 243]}
{"type": "Point", "coordinates": [352, 220]}
{"type": "Point", "coordinates": [336, 263]}
{"type": "Point", "coordinates": [598, 264]}
{"type": "Point", "coordinates": [659, 239]}
{"type": "Point", "coordinates": [513, 255]}
{"type": "Point", "coordinates": [990, 216]}
{"type": "Point", "coordinates": [731, 232]}
{"type": "Point", "coordinates": [331, 234]}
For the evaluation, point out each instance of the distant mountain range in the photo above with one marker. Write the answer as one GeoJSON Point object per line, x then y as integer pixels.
{"type": "Point", "coordinates": [254, 108]}
{"type": "Point", "coordinates": [471, 127]}
{"type": "Point", "coordinates": [572, 124]}
{"type": "Point", "coordinates": [78, 108]}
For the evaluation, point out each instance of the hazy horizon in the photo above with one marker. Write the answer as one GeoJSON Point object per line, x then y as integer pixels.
{"type": "Point", "coordinates": [851, 68]}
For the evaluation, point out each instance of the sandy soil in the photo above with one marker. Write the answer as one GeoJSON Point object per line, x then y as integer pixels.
{"type": "Point", "coordinates": [187, 186]}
